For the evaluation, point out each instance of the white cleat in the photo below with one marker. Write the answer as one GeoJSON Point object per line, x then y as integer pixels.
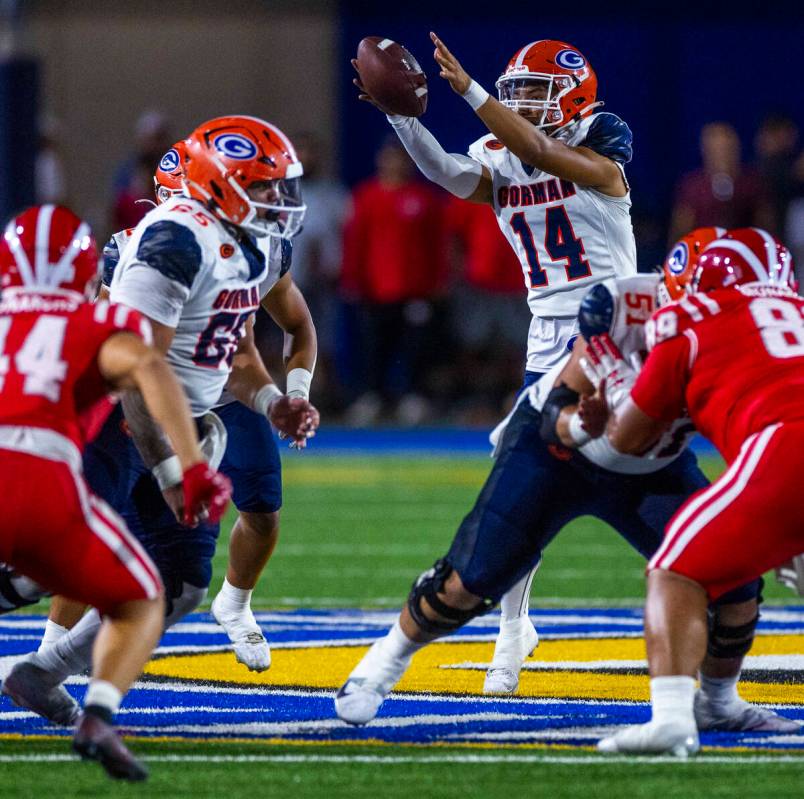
{"type": "Point", "coordinates": [677, 738]}
{"type": "Point", "coordinates": [740, 716]}
{"type": "Point", "coordinates": [359, 699]}
{"type": "Point", "coordinates": [250, 647]}
{"type": "Point", "coordinates": [31, 687]}
{"type": "Point", "coordinates": [516, 641]}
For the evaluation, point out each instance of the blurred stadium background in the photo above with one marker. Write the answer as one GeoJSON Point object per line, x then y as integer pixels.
{"type": "Point", "coordinates": [428, 328]}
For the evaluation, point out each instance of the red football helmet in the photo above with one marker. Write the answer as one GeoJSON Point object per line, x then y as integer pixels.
{"type": "Point", "coordinates": [682, 261]}
{"type": "Point", "coordinates": [228, 156]}
{"type": "Point", "coordinates": [552, 79]}
{"type": "Point", "coordinates": [48, 247]}
{"type": "Point", "coordinates": [169, 173]}
{"type": "Point", "coordinates": [744, 255]}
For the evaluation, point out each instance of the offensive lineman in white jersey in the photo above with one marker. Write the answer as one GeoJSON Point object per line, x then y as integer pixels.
{"type": "Point", "coordinates": [192, 266]}
{"type": "Point", "coordinates": [541, 485]}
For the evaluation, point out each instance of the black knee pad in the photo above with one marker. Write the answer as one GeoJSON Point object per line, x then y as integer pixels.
{"type": "Point", "coordinates": [17, 591]}
{"type": "Point", "coordinates": [729, 641]}
{"type": "Point", "coordinates": [427, 586]}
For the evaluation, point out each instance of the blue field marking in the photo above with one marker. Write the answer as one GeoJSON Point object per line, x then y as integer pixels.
{"type": "Point", "coordinates": [185, 709]}
{"type": "Point", "coordinates": [421, 441]}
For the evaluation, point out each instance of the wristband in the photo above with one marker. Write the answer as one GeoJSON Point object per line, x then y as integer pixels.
{"type": "Point", "coordinates": [298, 383]}
{"type": "Point", "coordinates": [168, 472]}
{"type": "Point", "coordinates": [475, 95]}
{"type": "Point", "coordinates": [576, 431]}
{"type": "Point", "coordinates": [265, 397]}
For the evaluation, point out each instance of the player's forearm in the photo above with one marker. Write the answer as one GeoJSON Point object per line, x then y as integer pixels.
{"type": "Point", "coordinates": [168, 405]}
{"type": "Point", "coordinates": [151, 441]}
{"type": "Point", "coordinates": [249, 377]}
{"type": "Point", "coordinates": [458, 174]}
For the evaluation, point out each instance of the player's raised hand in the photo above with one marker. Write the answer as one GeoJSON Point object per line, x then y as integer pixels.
{"type": "Point", "coordinates": [364, 95]}
{"type": "Point", "coordinates": [294, 418]}
{"type": "Point", "coordinates": [206, 494]}
{"type": "Point", "coordinates": [608, 370]}
{"type": "Point", "coordinates": [451, 68]}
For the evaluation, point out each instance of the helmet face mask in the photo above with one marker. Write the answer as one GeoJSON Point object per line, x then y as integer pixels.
{"type": "Point", "coordinates": [283, 212]}
{"type": "Point", "coordinates": [535, 96]}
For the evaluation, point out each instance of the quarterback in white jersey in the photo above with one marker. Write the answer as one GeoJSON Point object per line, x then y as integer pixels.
{"type": "Point", "coordinates": [552, 170]}
{"type": "Point", "coordinates": [539, 484]}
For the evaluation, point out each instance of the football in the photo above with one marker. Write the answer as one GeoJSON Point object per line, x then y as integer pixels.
{"type": "Point", "coordinates": [392, 76]}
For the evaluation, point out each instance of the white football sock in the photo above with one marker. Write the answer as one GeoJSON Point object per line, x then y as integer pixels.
{"type": "Point", "coordinates": [53, 632]}
{"type": "Point", "coordinates": [103, 694]}
{"type": "Point", "coordinates": [72, 653]}
{"type": "Point", "coordinates": [672, 699]}
{"type": "Point", "coordinates": [233, 600]}
{"type": "Point", "coordinates": [720, 690]}
{"type": "Point", "coordinates": [514, 604]}
{"type": "Point", "coordinates": [397, 645]}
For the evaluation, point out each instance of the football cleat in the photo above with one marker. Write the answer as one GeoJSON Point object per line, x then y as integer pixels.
{"type": "Point", "coordinates": [360, 697]}
{"type": "Point", "coordinates": [678, 738]}
{"type": "Point", "coordinates": [250, 647]}
{"type": "Point", "coordinates": [32, 687]}
{"type": "Point", "coordinates": [740, 716]}
{"type": "Point", "coordinates": [516, 641]}
{"type": "Point", "coordinates": [94, 739]}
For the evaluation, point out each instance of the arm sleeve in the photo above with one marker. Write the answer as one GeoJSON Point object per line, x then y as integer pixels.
{"type": "Point", "coordinates": [458, 174]}
{"type": "Point", "coordinates": [158, 281]}
{"type": "Point", "coordinates": [596, 312]}
{"type": "Point", "coordinates": [661, 386]}
{"type": "Point", "coordinates": [609, 136]}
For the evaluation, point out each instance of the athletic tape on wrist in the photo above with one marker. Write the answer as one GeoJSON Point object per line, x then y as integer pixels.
{"type": "Point", "coordinates": [298, 383]}
{"type": "Point", "coordinates": [264, 397]}
{"type": "Point", "coordinates": [475, 95]}
{"type": "Point", "coordinates": [168, 472]}
{"type": "Point", "coordinates": [576, 431]}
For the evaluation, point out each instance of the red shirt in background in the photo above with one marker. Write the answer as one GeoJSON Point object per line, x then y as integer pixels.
{"type": "Point", "coordinates": [721, 200]}
{"type": "Point", "coordinates": [393, 247]}
{"type": "Point", "coordinates": [490, 263]}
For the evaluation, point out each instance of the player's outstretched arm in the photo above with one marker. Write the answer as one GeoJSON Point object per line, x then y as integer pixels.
{"type": "Point", "coordinates": [458, 174]}
{"type": "Point", "coordinates": [577, 164]}
{"type": "Point", "coordinates": [126, 362]}
{"type": "Point", "coordinates": [287, 307]}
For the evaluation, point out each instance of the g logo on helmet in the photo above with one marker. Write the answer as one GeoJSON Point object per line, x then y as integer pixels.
{"type": "Point", "coordinates": [679, 259]}
{"type": "Point", "coordinates": [170, 161]}
{"type": "Point", "coordinates": [570, 59]}
{"type": "Point", "coordinates": [233, 145]}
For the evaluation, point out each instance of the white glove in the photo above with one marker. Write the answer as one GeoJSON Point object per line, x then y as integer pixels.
{"type": "Point", "coordinates": [606, 368]}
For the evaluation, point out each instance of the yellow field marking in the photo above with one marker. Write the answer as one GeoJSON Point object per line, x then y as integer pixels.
{"type": "Point", "coordinates": [328, 667]}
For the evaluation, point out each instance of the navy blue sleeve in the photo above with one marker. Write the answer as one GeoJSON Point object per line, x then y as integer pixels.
{"type": "Point", "coordinates": [111, 257]}
{"type": "Point", "coordinates": [609, 136]}
{"type": "Point", "coordinates": [171, 249]}
{"type": "Point", "coordinates": [596, 312]}
{"type": "Point", "coordinates": [287, 256]}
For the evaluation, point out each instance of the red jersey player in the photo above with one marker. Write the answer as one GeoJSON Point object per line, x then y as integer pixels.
{"type": "Point", "coordinates": [732, 354]}
{"type": "Point", "coordinates": [59, 357]}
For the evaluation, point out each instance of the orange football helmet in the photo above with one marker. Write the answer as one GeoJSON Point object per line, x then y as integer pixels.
{"type": "Point", "coordinates": [553, 80]}
{"type": "Point", "coordinates": [228, 156]}
{"type": "Point", "coordinates": [169, 173]}
{"type": "Point", "coordinates": [682, 261]}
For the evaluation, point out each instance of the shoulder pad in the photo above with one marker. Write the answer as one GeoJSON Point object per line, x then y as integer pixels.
{"type": "Point", "coordinates": [596, 312]}
{"type": "Point", "coordinates": [609, 136]}
{"type": "Point", "coordinates": [171, 249]}
{"type": "Point", "coordinates": [287, 257]}
{"type": "Point", "coordinates": [111, 257]}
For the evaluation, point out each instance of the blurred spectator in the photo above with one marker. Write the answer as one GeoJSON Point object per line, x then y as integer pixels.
{"type": "Point", "coordinates": [50, 183]}
{"type": "Point", "coordinates": [776, 145]}
{"type": "Point", "coordinates": [394, 268]}
{"type": "Point", "coordinates": [317, 253]}
{"type": "Point", "coordinates": [723, 192]}
{"type": "Point", "coordinates": [133, 179]}
{"type": "Point", "coordinates": [488, 312]}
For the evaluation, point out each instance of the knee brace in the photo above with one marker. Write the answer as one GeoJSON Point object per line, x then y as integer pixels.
{"type": "Point", "coordinates": [181, 600]}
{"type": "Point", "coordinates": [427, 587]}
{"type": "Point", "coordinates": [17, 591]}
{"type": "Point", "coordinates": [729, 641]}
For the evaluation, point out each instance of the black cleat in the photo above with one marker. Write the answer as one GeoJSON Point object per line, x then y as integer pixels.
{"type": "Point", "coordinates": [94, 739]}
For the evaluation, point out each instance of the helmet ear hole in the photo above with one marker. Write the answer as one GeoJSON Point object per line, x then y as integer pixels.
{"type": "Point", "coordinates": [216, 189]}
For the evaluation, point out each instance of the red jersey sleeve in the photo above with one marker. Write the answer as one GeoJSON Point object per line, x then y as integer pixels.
{"type": "Point", "coordinates": [660, 388]}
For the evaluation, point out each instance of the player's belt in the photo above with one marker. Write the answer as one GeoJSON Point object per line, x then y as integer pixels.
{"type": "Point", "coordinates": [42, 443]}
